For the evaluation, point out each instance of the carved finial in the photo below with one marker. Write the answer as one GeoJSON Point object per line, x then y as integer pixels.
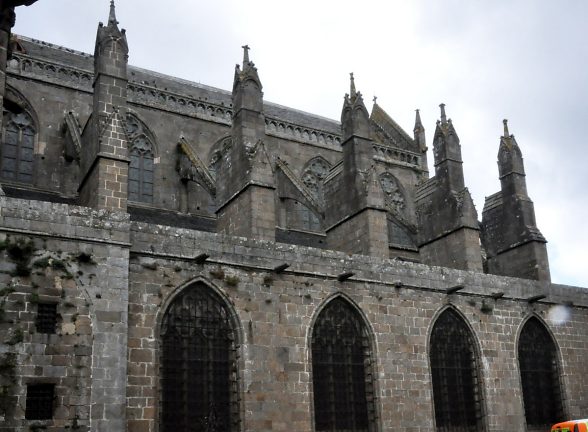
{"type": "Point", "coordinates": [353, 92]}
{"type": "Point", "coordinates": [417, 122]}
{"type": "Point", "coordinates": [375, 100]}
{"type": "Point", "coordinates": [245, 54]}
{"type": "Point", "coordinates": [443, 116]}
{"type": "Point", "coordinates": [506, 133]}
{"type": "Point", "coordinates": [112, 16]}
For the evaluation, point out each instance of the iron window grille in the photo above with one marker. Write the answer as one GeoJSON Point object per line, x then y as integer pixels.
{"type": "Point", "coordinates": [199, 389]}
{"type": "Point", "coordinates": [342, 372]}
{"type": "Point", "coordinates": [455, 374]}
{"type": "Point", "coordinates": [18, 142]}
{"type": "Point", "coordinates": [40, 399]}
{"type": "Point", "coordinates": [46, 320]}
{"type": "Point", "coordinates": [539, 375]}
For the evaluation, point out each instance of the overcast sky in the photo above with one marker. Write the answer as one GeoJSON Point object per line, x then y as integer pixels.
{"type": "Point", "coordinates": [525, 60]}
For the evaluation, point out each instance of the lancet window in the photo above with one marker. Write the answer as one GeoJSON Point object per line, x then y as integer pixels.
{"type": "Point", "coordinates": [539, 375]}
{"type": "Point", "coordinates": [141, 167]}
{"type": "Point", "coordinates": [455, 374]}
{"type": "Point", "coordinates": [18, 143]}
{"type": "Point", "coordinates": [341, 366]}
{"type": "Point", "coordinates": [198, 364]}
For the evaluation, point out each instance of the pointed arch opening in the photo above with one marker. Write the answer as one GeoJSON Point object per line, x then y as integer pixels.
{"type": "Point", "coordinates": [457, 390]}
{"type": "Point", "coordinates": [19, 133]}
{"type": "Point", "coordinates": [198, 364]}
{"type": "Point", "coordinates": [538, 365]}
{"type": "Point", "coordinates": [142, 157]}
{"type": "Point", "coordinates": [343, 386]}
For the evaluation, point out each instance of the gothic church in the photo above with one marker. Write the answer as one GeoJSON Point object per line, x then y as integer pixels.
{"type": "Point", "coordinates": [176, 257]}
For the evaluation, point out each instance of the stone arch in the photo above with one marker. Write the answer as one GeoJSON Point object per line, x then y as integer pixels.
{"type": "Point", "coordinates": [198, 325]}
{"type": "Point", "coordinates": [340, 338]}
{"type": "Point", "coordinates": [135, 127]}
{"type": "Point", "coordinates": [539, 362]}
{"type": "Point", "coordinates": [455, 364]}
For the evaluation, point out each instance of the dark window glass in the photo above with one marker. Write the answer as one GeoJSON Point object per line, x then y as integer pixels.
{"type": "Point", "coordinates": [398, 236]}
{"type": "Point", "coordinates": [454, 368]}
{"type": "Point", "coordinates": [539, 375]}
{"type": "Point", "coordinates": [18, 141]}
{"type": "Point", "coordinates": [198, 364]}
{"type": "Point", "coordinates": [299, 216]}
{"type": "Point", "coordinates": [40, 401]}
{"type": "Point", "coordinates": [342, 382]}
{"type": "Point", "coordinates": [46, 317]}
{"type": "Point", "coordinates": [141, 171]}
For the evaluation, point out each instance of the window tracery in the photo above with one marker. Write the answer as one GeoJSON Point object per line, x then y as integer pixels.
{"type": "Point", "coordinates": [18, 143]}
{"type": "Point", "coordinates": [393, 194]}
{"type": "Point", "coordinates": [141, 167]}
{"type": "Point", "coordinates": [314, 175]}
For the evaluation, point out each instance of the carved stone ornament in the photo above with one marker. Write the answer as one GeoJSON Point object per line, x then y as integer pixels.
{"type": "Point", "coordinates": [314, 174]}
{"type": "Point", "coordinates": [392, 191]}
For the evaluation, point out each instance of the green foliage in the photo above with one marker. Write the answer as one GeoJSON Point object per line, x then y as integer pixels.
{"type": "Point", "coordinates": [217, 273]}
{"type": "Point", "coordinates": [54, 263]}
{"type": "Point", "coordinates": [20, 252]}
{"type": "Point", "coordinates": [232, 280]}
{"type": "Point", "coordinates": [17, 337]}
{"type": "Point", "coordinates": [4, 292]}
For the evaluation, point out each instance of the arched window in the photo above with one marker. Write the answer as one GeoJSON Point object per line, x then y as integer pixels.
{"type": "Point", "coordinates": [539, 375]}
{"type": "Point", "coordinates": [18, 142]}
{"type": "Point", "coordinates": [456, 382]}
{"type": "Point", "coordinates": [198, 364]}
{"type": "Point", "coordinates": [341, 370]}
{"type": "Point", "coordinates": [141, 171]}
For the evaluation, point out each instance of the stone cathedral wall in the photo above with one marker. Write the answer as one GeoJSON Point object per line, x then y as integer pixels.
{"type": "Point", "coordinates": [147, 265]}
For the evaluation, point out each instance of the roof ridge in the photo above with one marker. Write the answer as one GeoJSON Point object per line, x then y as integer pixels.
{"type": "Point", "coordinates": [394, 123]}
{"type": "Point", "coordinates": [52, 45]}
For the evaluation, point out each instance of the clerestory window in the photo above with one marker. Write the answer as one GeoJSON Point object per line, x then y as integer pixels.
{"type": "Point", "coordinates": [539, 375]}
{"type": "Point", "coordinates": [141, 170]}
{"type": "Point", "coordinates": [455, 374]}
{"type": "Point", "coordinates": [198, 364]}
{"type": "Point", "coordinates": [341, 369]}
{"type": "Point", "coordinates": [18, 143]}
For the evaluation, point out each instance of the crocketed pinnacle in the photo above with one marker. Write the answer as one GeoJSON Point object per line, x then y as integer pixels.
{"type": "Point", "coordinates": [418, 124]}
{"type": "Point", "coordinates": [506, 133]}
{"type": "Point", "coordinates": [443, 115]}
{"type": "Point", "coordinates": [352, 91]}
{"type": "Point", "coordinates": [112, 16]}
{"type": "Point", "coordinates": [245, 55]}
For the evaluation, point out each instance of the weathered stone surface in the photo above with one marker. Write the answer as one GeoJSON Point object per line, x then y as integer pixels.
{"type": "Point", "coordinates": [235, 209]}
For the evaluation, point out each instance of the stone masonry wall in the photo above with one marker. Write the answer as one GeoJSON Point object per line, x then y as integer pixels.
{"type": "Point", "coordinates": [363, 233]}
{"type": "Point", "coordinates": [76, 258]}
{"type": "Point", "coordinates": [399, 301]}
